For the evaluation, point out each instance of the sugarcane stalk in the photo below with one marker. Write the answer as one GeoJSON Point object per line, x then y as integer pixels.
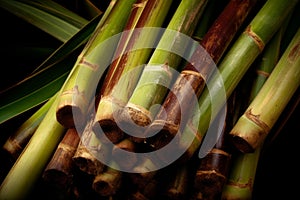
{"type": "Point", "coordinates": [59, 171]}
{"type": "Point", "coordinates": [212, 171]}
{"type": "Point", "coordinates": [109, 181]}
{"type": "Point", "coordinates": [124, 160]}
{"type": "Point", "coordinates": [151, 189]}
{"type": "Point", "coordinates": [81, 84]}
{"type": "Point", "coordinates": [178, 185]}
{"type": "Point", "coordinates": [141, 175]}
{"type": "Point", "coordinates": [29, 167]}
{"type": "Point", "coordinates": [157, 74]}
{"type": "Point", "coordinates": [125, 70]}
{"type": "Point", "coordinates": [89, 148]}
{"type": "Point", "coordinates": [214, 168]}
{"type": "Point", "coordinates": [260, 116]}
{"type": "Point", "coordinates": [17, 142]}
{"type": "Point", "coordinates": [283, 119]}
{"type": "Point", "coordinates": [243, 169]}
{"type": "Point", "coordinates": [133, 18]}
{"type": "Point", "coordinates": [177, 106]}
{"type": "Point", "coordinates": [232, 68]}
{"type": "Point", "coordinates": [211, 12]}
{"type": "Point", "coordinates": [241, 176]}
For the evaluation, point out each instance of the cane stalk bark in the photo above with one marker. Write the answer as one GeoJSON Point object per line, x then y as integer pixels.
{"type": "Point", "coordinates": [213, 169]}
{"type": "Point", "coordinates": [59, 171]}
{"type": "Point", "coordinates": [85, 157]}
{"type": "Point", "coordinates": [254, 125]}
{"type": "Point", "coordinates": [177, 187]}
{"type": "Point", "coordinates": [109, 181]}
{"type": "Point", "coordinates": [157, 74]}
{"type": "Point", "coordinates": [132, 53]}
{"type": "Point", "coordinates": [151, 189]}
{"type": "Point", "coordinates": [81, 84]}
{"type": "Point", "coordinates": [215, 166]}
{"type": "Point", "coordinates": [185, 92]}
{"type": "Point", "coordinates": [125, 160]}
{"type": "Point", "coordinates": [232, 68]}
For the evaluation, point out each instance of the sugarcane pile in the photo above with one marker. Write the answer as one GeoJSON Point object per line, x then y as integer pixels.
{"type": "Point", "coordinates": [164, 100]}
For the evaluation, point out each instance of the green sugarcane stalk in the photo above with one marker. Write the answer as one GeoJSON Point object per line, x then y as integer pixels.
{"type": "Point", "coordinates": [125, 70]}
{"type": "Point", "coordinates": [243, 169]}
{"type": "Point", "coordinates": [189, 85]}
{"type": "Point", "coordinates": [232, 68]}
{"type": "Point", "coordinates": [241, 176]}
{"type": "Point", "coordinates": [157, 74]}
{"type": "Point", "coordinates": [255, 124]}
{"type": "Point", "coordinates": [17, 142]}
{"type": "Point", "coordinates": [283, 119]}
{"type": "Point", "coordinates": [29, 167]}
{"type": "Point", "coordinates": [81, 84]}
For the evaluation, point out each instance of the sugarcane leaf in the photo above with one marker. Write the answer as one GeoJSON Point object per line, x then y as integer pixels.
{"type": "Point", "coordinates": [47, 79]}
{"type": "Point", "coordinates": [73, 43]}
{"type": "Point", "coordinates": [58, 11]}
{"type": "Point", "coordinates": [91, 8]}
{"type": "Point", "coordinates": [35, 90]}
{"type": "Point", "coordinates": [42, 18]}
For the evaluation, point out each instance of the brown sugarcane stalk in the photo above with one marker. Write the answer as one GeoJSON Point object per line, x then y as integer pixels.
{"type": "Point", "coordinates": [213, 169]}
{"type": "Point", "coordinates": [177, 187]}
{"type": "Point", "coordinates": [59, 171]}
{"type": "Point", "coordinates": [85, 157]}
{"type": "Point", "coordinates": [212, 173]}
{"type": "Point", "coordinates": [153, 188]}
{"type": "Point", "coordinates": [87, 162]}
{"type": "Point", "coordinates": [177, 105]}
{"type": "Point", "coordinates": [124, 160]}
{"type": "Point", "coordinates": [109, 181]}
{"type": "Point", "coordinates": [142, 176]}
{"type": "Point", "coordinates": [149, 191]}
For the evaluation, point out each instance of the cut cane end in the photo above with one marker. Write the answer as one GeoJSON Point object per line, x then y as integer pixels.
{"type": "Point", "coordinates": [133, 121]}
{"type": "Point", "coordinates": [66, 115]}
